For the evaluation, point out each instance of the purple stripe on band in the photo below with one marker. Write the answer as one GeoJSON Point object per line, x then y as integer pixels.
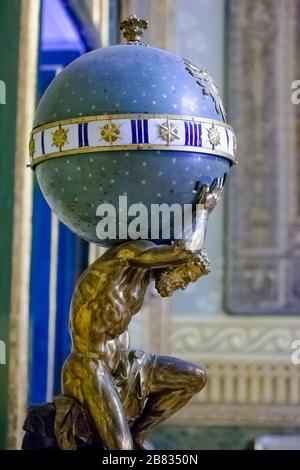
{"type": "Point", "coordinates": [146, 136]}
{"type": "Point", "coordinates": [191, 133]}
{"type": "Point", "coordinates": [195, 134]}
{"type": "Point", "coordinates": [186, 128]}
{"type": "Point", "coordinates": [227, 136]}
{"type": "Point", "coordinates": [140, 131]}
{"type": "Point", "coordinates": [80, 143]}
{"type": "Point", "coordinates": [133, 131]}
{"type": "Point", "coordinates": [85, 134]}
{"type": "Point", "coordinates": [199, 135]}
{"type": "Point", "coordinates": [43, 142]}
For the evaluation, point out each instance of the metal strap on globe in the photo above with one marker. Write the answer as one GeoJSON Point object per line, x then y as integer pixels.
{"type": "Point", "coordinates": [131, 132]}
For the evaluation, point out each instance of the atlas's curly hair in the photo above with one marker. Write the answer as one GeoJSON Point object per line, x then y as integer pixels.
{"type": "Point", "coordinates": [167, 278]}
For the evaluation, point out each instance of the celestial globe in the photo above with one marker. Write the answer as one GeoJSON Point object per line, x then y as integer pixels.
{"type": "Point", "coordinates": [128, 120]}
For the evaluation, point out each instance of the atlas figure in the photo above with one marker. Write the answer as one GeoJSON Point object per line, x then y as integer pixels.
{"type": "Point", "coordinates": [127, 392]}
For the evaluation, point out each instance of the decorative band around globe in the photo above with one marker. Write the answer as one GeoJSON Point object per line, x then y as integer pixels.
{"type": "Point", "coordinates": [131, 132]}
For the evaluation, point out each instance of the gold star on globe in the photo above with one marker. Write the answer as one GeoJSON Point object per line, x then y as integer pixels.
{"type": "Point", "coordinates": [110, 132]}
{"type": "Point", "coordinates": [168, 132]}
{"type": "Point", "coordinates": [214, 136]}
{"type": "Point", "coordinates": [31, 146]}
{"type": "Point", "coordinates": [60, 137]}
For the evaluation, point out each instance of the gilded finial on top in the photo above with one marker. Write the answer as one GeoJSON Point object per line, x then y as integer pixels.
{"type": "Point", "coordinates": [133, 29]}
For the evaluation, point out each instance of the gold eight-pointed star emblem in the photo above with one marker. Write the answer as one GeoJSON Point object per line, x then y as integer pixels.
{"type": "Point", "coordinates": [60, 137]}
{"type": "Point", "coordinates": [168, 132]}
{"type": "Point", "coordinates": [110, 132]}
{"type": "Point", "coordinates": [214, 136]}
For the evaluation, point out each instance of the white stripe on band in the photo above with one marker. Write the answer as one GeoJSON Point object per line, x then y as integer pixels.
{"type": "Point", "coordinates": [130, 132]}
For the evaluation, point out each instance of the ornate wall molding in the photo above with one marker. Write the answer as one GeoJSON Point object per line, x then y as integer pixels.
{"type": "Point", "coordinates": [257, 338]}
{"type": "Point", "coordinates": [251, 378]}
{"type": "Point", "coordinates": [238, 415]}
{"type": "Point", "coordinates": [262, 269]}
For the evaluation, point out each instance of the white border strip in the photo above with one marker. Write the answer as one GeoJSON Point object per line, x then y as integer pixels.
{"type": "Point", "coordinates": [142, 132]}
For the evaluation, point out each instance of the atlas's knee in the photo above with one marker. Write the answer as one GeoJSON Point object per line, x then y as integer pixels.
{"type": "Point", "coordinates": [198, 379]}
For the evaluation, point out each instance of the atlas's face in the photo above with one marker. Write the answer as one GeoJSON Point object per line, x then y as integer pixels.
{"type": "Point", "coordinates": [178, 278]}
{"type": "Point", "coordinates": [188, 274]}
{"type": "Point", "coordinates": [192, 273]}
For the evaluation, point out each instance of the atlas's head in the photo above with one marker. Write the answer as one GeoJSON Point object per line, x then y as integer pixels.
{"type": "Point", "coordinates": [169, 280]}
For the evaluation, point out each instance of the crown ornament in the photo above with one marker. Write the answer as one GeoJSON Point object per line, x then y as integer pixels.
{"type": "Point", "coordinates": [133, 29]}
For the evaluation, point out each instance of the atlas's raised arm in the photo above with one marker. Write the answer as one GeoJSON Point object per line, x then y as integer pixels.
{"type": "Point", "coordinates": [161, 256]}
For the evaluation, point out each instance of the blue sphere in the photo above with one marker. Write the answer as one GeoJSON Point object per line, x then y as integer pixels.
{"type": "Point", "coordinates": [124, 80]}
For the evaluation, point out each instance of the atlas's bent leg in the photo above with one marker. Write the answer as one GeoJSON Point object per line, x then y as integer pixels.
{"type": "Point", "coordinates": [88, 381]}
{"type": "Point", "coordinates": [174, 383]}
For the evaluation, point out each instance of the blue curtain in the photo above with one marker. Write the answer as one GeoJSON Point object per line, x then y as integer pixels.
{"type": "Point", "coordinates": [67, 257]}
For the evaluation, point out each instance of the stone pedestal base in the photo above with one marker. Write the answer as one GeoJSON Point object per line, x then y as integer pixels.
{"type": "Point", "coordinates": [59, 425]}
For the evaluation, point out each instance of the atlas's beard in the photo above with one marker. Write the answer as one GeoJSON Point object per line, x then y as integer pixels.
{"type": "Point", "coordinates": [169, 280]}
